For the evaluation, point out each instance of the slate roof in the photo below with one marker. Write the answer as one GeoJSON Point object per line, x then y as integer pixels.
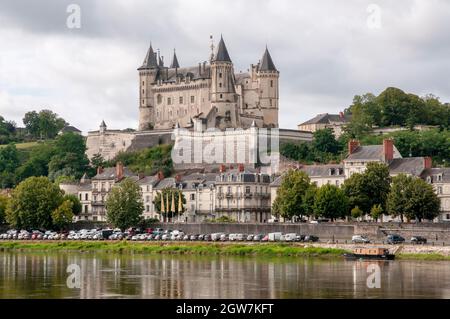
{"type": "Point", "coordinates": [370, 152]}
{"type": "Point", "coordinates": [70, 128]}
{"type": "Point", "coordinates": [267, 63]}
{"type": "Point", "coordinates": [222, 52]}
{"type": "Point", "coordinates": [150, 61]}
{"type": "Point", "coordinates": [277, 181]}
{"type": "Point", "coordinates": [165, 183]}
{"type": "Point", "coordinates": [110, 173]}
{"type": "Point", "coordinates": [175, 63]}
{"type": "Point", "coordinates": [435, 172]}
{"type": "Point", "coordinates": [148, 180]}
{"type": "Point", "coordinates": [324, 170]}
{"type": "Point", "coordinates": [326, 118]}
{"type": "Point", "coordinates": [409, 165]}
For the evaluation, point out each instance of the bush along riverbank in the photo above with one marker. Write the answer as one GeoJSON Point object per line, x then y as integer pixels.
{"type": "Point", "coordinates": [177, 248]}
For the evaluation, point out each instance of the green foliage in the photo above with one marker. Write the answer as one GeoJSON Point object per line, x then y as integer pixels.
{"type": "Point", "coordinates": [330, 202]}
{"type": "Point", "coordinates": [7, 131]}
{"type": "Point", "coordinates": [324, 148]}
{"type": "Point", "coordinates": [148, 161]}
{"type": "Point", "coordinates": [376, 212]}
{"type": "Point", "coordinates": [222, 219]}
{"type": "Point", "coordinates": [356, 212]}
{"type": "Point", "coordinates": [413, 198]}
{"type": "Point", "coordinates": [395, 107]}
{"type": "Point", "coordinates": [9, 161]}
{"type": "Point", "coordinates": [124, 205]}
{"type": "Point", "coordinates": [289, 201]}
{"type": "Point", "coordinates": [76, 204]}
{"type": "Point", "coordinates": [308, 200]}
{"type": "Point", "coordinates": [45, 124]}
{"type": "Point", "coordinates": [63, 215]}
{"type": "Point", "coordinates": [32, 203]}
{"type": "Point", "coordinates": [97, 161]}
{"type": "Point", "coordinates": [369, 188]}
{"type": "Point", "coordinates": [3, 204]}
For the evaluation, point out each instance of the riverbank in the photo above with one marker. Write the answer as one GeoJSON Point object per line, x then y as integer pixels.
{"type": "Point", "coordinates": [225, 249]}
{"type": "Point", "coordinates": [324, 250]}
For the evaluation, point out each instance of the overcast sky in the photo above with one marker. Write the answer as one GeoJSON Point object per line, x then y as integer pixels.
{"type": "Point", "coordinates": [326, 51]}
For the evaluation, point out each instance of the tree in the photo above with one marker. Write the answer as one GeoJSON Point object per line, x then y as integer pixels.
{"type": "Point", "coordinates": [325, 142]}
{"type": "Point", "coordinates": [290, 193]}
{"type": "Point", "coordinates": [32, 203]}
{"type": "Point", "coordinates": [423, 202]}
{"type": "Point", "coordinates": [9, 161]}
{"type": "Point", "coordinates": [50, 124]}
{"type": "Point", "coordinates": [330, 202]}
{"type": "Point", "coordinates": [413, 198]}
{"type": "Point", "coordinates": [167, 194]}
{"type": "Point", "coordinates": [76, 204]}
{"type": "Point", "coordinates": [398, 196]}
{"type": "Point", "coordinates": [63, 215]}
{"type": "Point", "coordinates": [308, 200]}
{"type": "Point", "coordinates": [3, 204]}
{"type": "Point", "coordinates": [376, 212]}
{"type": "Point", "coordinates": [369, 188]}
{"type": "Point", "coordinates": [97, 161]}
{"type": "Point", "coordinates": [31, 122]}
{"type": "Point", "coordinates": [69, 158]}
{"type": "Point", "coordinates": [124, 204]}
{"type": "Point", "coordinates": [356, 212]}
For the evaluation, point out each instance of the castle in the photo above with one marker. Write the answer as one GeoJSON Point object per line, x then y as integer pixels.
{"type": "Point", "coordinates": [211, 94]}
{"type": "Point", "coordinates": [201, 103]}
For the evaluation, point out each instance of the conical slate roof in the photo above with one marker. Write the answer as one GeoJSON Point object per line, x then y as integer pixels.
{"type": "Point", "coordinates": [150, 61]}
{"type": "Point", "coordinates": [175, 63]}
{"type": "Point", "coordinates": [222, 52]}
{"type": "Point", "coordinates": [267, 63]}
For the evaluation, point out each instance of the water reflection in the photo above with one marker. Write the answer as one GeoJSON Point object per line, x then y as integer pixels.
{"type": "Point", "coordinates": [41, 275]}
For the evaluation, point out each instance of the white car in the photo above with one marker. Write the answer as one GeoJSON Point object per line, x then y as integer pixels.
{"type": "Point", "coordinates": [360, 239]}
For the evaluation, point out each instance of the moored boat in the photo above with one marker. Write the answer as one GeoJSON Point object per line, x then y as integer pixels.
{"type": "Point", "coordinates": [370, 253]}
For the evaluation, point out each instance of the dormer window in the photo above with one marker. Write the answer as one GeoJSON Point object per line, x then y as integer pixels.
{"type": "Point", "coordinates": [439, 178]}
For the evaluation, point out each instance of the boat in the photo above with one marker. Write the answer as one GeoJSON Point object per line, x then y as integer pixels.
{"type": "Point", "coordinates": [370, 253]}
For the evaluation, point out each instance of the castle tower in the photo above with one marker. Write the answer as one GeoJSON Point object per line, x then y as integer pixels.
{"type": "Point", "coordinates": [147, 76]}
{"type": "Point", "coordinates": [223, 93]}
{"type": "Point", "coordinates": [268, 76]}
{"type": "Point", "coordinates": [175, 64]}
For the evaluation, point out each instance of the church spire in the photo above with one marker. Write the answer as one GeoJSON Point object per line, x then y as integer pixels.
{"type": "Point", "coordinates": [267, 63]}
{"type": "Point", "coordinates": [150, 61]}
{"type": "Point", "coordinates": [175, 63]}
{"type": "Point", "coordinates": [222, 52]}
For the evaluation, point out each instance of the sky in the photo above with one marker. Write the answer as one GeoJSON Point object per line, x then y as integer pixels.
{"type": "Point", "coordinates": [326, 51]}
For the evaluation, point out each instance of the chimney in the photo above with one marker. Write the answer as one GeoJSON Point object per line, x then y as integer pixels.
{"type": "Point", "coordinates": [388, 150]}
{"type": "Point", "coordinates": [204, 67]}
{"type": "Point", "coordinates": [427, 162]}
{"type": "Point", "coordinates": [241, 167]}
{"type": "Point", "coordinates": [199, 69]}
{"type": "Point", "coordinates": [160, 176]}
{"type": "Point", "coordinates": [119, 171]}
{"type": "Point", "coordinates": [99, 170]}
{"type": "Point", "coordinates": [352, 146]}
{"type": "Point", "coordinates": [222, 168]}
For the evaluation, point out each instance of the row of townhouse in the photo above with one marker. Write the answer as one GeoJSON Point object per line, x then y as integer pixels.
{"type": "Point", "coordinates": [358, 158]}
{"type": "Point", "coordinates": [240, 194]}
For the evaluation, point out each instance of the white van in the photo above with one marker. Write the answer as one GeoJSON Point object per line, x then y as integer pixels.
{"type": "Point", "coordinates": [275, 236]}
{"type": "Point", "coordinates": [290, 237]}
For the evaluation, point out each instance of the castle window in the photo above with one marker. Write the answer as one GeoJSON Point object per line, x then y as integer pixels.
{"type": "Point", "coordinates": [220, 75]}
{"type": "Point", "coordinates": [181, 100]}
{"type": "Point", "coordinates": [159, 99]}
{"type": "Point", "coordinates": [143, 91]}
{"type": "Point", "coordinates": [192, 99]}
{"type": "Point", "coordinates": [143, 102]}
{"type": "Point", "coordinates": [270, 100]}
{"type": "Point", "coordinates": [271, 83]}
{"type": "Point", "coordinates": [169, 101]}
{"type": "Point", "coordinates": [220, 85]}
{"type": "Point", "coordinates": [143, 83]}
{"type": "Point", "coordinates": [221, 96]}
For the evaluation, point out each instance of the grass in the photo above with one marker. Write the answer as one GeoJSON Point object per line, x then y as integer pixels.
{"type": "Point", "coordinates": [22, 146]}
{"type": "Point", "coordinates": [177, 248]}
{"type": "Point", "coordinates": [423, 256]}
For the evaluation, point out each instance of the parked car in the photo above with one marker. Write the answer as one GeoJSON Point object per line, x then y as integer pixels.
{"type": "Point", "coordinates": [240, 237]}
{"type": "Point", "coordinates": [216, 236]}
{"type": "Point", "coordinates": [395, 239]}
{"type": "Point", "coordinates": [360, 239]}
{"type": "Point", "coordinates": [224, 237]}
{"type": "Point", "coordinates": [207, 237]}
{"type": "Point", "coordinates": [201, 237]}
{"type": "Point", "coordinates": [258, 237]}
{"type": "Point", "coordinates": [275, 236]}
{"type": "Point", "coordinates": [265, 238]}
{"type": "Point", "coordinates": [193, 237]}
{"type": "Point", "coordinates": [250, 237]}
{"type": "Point", "coordinates": [232, 237]}
{"type": "Point", "coordinates": [418, 240]}
{"type": "Point", "coordinates": [311, 238]}
{"type": "Point", "coordinates": [290, 237]}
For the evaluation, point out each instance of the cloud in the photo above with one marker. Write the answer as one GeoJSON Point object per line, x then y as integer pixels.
{"type": "Point", "coordinates": [325, 51]}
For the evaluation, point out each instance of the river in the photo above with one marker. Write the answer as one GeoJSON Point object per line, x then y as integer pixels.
{"type": "Point", "coordinates": [99, 275]}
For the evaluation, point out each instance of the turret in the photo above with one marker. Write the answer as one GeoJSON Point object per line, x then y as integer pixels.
{"type": "Point", "coordinates": [223, 94]}
{"type": "Point", "coordinates": [268, 76]}
{"type": "Point", "coordinates": [147, 76]}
